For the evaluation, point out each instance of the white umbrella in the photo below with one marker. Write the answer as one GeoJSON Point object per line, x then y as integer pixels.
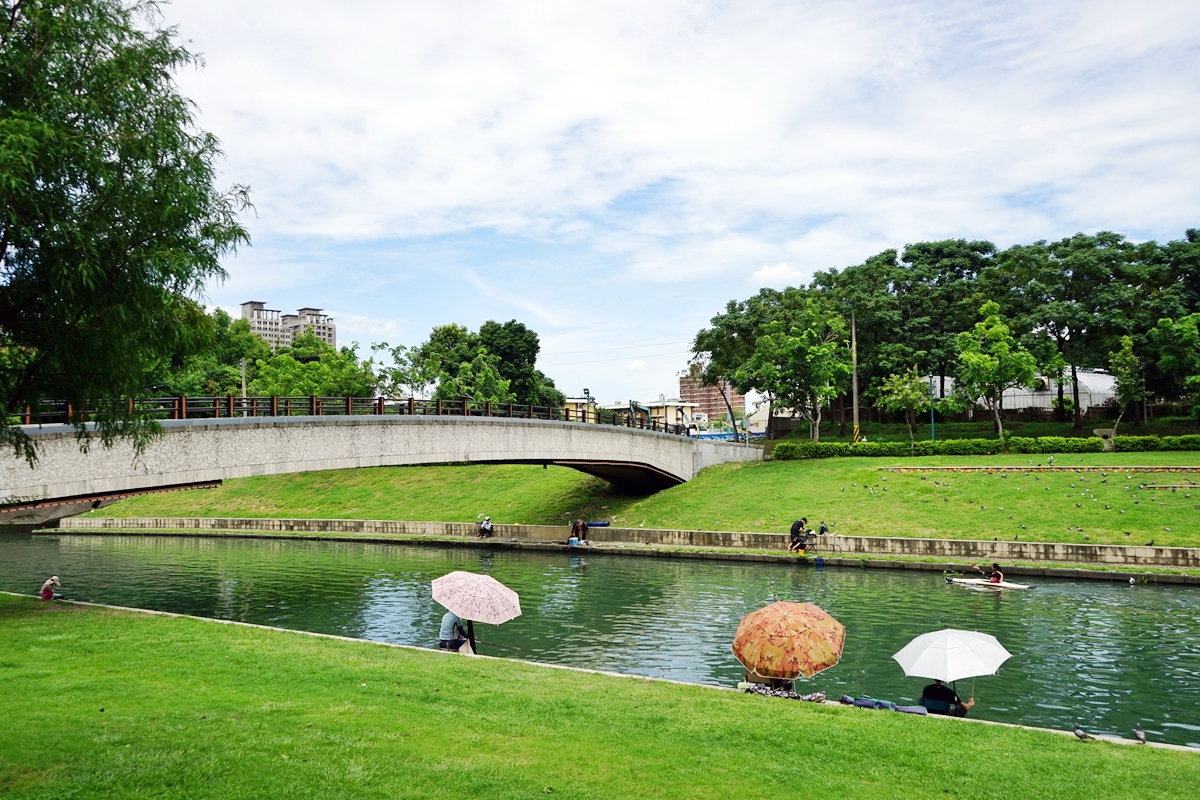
{"type": "Point", "coordinates": [951, 654]}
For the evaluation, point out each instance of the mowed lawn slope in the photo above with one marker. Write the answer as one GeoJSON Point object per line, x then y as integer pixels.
{"type": "Point", "coordinates": [118, 704]}
{"type": "Point", "coordinates": [848, 493]}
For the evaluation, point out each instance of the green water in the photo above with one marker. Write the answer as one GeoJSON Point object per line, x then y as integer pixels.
{"type": "Point", "coordinates": [1105, 655]}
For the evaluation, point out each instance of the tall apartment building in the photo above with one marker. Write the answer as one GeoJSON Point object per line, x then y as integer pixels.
{"type": "Point", "coordinates": [709, 400]}
{"type": "Point", "coordinates": [281, 329]}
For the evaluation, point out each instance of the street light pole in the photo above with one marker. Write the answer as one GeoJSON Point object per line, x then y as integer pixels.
{"type": "Point", "coordinates": [932, 428]}
{"type": "Point", "coordinates": [854, 372]}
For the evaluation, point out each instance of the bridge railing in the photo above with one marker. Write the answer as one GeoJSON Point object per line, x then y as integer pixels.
{"type": "Point", "coordinates": [228, 406]}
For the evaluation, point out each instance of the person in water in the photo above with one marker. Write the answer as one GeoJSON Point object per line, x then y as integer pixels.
{"type": "Point", "coordinates": [451, 636]}
{"type": "Point", "coordinates": [938, 695]}
{"type": "Point", "coordinates": [48, 592]}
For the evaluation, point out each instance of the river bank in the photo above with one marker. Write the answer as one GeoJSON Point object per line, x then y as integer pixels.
{"type": "Point", "coordinates": [101, 702]}
{"type": "Point", "coordinates": [855, 496]}
{"type": "Point", "coordinates": [728, 546]}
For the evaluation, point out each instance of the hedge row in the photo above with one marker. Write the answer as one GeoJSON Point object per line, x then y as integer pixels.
{"type": "Point", "coordinates": [788, 451]}
{"type": "Point", "coordinates": [1143, 443]}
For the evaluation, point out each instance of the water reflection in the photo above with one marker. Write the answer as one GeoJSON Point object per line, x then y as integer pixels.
{"type": "Point", "coordinates": [1107, 655]}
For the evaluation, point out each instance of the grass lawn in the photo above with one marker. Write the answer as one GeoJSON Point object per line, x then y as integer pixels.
{"type": "Point", "coordinates": [848, 493]}
{"type": "Point", "coordinates": [116, 704]}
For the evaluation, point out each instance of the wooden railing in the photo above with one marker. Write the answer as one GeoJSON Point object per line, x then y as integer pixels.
{"type": "Point", "coordinates": [163, 408]}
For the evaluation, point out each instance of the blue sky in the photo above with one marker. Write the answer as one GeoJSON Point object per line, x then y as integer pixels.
{"type": "Point", "coordinates": [613, 173]}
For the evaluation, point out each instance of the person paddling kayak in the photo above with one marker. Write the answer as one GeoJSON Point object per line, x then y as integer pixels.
{"type": "Point", "coordinates": [995, 576]}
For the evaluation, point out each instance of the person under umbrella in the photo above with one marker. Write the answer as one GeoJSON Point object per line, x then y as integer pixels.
{"type": "Point", "coordinates": [451, 636]}
{"type": "Point", "coordinates": [785, 641]}
{"type": "Point", "coordinates": [475, 598]}
{"type": "Point", "coordinates": [946, 656]}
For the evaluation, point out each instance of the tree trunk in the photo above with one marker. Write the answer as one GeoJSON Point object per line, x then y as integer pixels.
{"type": "Point", "coordinates": [1075, 398]}
{"type": "Point", "coordinates": [999, 423]}
{"type": "Point", "coordinates": [842, 416]}
{"type": "Point", "coordinates": [725, 396]}
{"type": "Point", "coordinates": [816, 437]}
{"type": "Point", "coordinates": [1060, 413]}
{"type": "Point", "coordinates": [1120, 414]}
{"type": "Point", "coordinates": [912, 429]}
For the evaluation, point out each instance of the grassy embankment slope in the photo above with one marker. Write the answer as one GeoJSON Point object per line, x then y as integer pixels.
{"type": "Point", "coordinates": [847, 493]}
{"type": "Point", "coordinates": [118, 704]}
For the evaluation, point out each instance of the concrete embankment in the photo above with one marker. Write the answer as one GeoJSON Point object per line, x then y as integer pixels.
{"type": "Point", "coordinates": [1039, 559]}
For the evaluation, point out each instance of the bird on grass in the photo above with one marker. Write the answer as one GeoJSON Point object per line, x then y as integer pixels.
{"type": "Point", "coordinates": [1081, 734]}
{"type": "Point", "coordinates": [1139, 734]}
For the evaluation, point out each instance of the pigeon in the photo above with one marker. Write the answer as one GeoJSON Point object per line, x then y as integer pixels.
{"type": "Point", "coordinates": [1138, 733]}
{"type": "Point", "coordinates": [1081, 734]}
{"type": "Point", "coordinates": [1150, 543]}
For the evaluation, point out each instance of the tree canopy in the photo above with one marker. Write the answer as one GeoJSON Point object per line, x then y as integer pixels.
{"type": "Point", "coordinates": [109, 217]}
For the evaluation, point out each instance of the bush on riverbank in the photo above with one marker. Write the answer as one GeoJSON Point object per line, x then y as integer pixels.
{"type": "Point", "coordinates": [1042, 445]}
{"type": "Point", "coordinates": [100, 703]}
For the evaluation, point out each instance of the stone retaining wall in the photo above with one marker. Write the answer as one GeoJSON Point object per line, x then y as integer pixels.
{"type": "Point", "coordinates": [957, 550]}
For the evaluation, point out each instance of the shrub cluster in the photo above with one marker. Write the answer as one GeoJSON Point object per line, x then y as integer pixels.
{"type": "Point", "coordinates": [1144, 443]}
{"type": "Point", "coordinates": [797, 450]}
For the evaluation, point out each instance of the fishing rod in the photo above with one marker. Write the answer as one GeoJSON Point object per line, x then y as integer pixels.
{"type": "Point", "coordinates": [493, 644]}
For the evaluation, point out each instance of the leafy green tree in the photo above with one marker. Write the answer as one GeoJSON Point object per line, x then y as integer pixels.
{"type": "Point", "coordinates": [907, 392]}
{"type": "Point", "coordinates": [109, 219]}
{"type": "Point", "coordinates": [517, 348]}
{"type": "Point", "coordinates": [312, 367]}
{"type": "Point", "coordinates": [801, 357]}
{"type": "Point", "coordinates": [991, 360]}
{"type": "Point", "coordinates": [479, 380]}
{"type": "Point", "coordinates": [1177, 343]}
{"type": "Point", "coordinates": [215, 368]}
{"type": "Point", "coordinates": [1127, 370]}
{"type": "Point", "coordinates": [722, 352]}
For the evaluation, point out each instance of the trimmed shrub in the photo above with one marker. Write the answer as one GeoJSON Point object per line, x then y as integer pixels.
{"type": "Point", "coordinates": [791, 451]}
{"type": "Point", "coordinates": [1133, 444]}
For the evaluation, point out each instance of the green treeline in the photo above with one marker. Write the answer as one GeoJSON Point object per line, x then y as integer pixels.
{"type": "Point", "coordinates": [991, 319]}
{"type": "Point", "coordinates": [497, 364]}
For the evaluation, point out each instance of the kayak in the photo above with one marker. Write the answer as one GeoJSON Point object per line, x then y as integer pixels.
{"type": "Point", "coordinates": [984, 583]}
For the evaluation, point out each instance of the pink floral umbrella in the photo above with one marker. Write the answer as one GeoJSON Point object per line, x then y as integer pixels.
{"type": "Point", "coordinates": [476, 598]}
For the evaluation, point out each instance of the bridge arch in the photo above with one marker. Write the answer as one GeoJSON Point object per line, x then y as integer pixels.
{"type": "Point", "coordinates": [204, 452]}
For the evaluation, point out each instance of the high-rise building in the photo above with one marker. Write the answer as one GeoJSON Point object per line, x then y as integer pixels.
{"type": "Point", "coordinates": [281, 329]}
{"type": "Point", "coordinates": [709, 400]}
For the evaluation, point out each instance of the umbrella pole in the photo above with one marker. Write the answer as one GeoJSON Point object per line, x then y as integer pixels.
{"type": "Point", "coordinates": [471, 635]}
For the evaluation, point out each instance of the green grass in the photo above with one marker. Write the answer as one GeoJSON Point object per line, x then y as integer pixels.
{"type": "Point", "coordinates": [983, 428]}
{"type": "Point", "coordinates": [100, 703]}
{"type": "Point", "coordinates": [506, 492]}
{"type": "Point", "coordinates": [745, 497]}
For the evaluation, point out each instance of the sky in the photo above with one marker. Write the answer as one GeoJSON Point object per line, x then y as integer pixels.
{"type": "Point", "coordinates": [612, 174]}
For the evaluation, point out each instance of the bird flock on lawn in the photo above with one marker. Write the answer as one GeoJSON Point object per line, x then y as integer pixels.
{"type": "Point", "coordinates": [1080, 491]}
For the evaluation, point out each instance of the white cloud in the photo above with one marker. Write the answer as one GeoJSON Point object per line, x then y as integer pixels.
{"type": "Point", "coordinates": [637, 365]}
{"type": "Point", "coordinates": [778, 275]}
{"type": "Point", "coordinates": [622, 151]}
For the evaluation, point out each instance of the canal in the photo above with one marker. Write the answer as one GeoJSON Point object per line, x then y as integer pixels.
{"type": "Point", "coordinates": [1105, 655]}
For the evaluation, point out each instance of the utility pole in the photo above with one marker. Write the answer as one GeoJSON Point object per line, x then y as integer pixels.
{"type": "Point", "coordinates": [854, 372]}
{"type": "Point", "coordinates": [243, 377]}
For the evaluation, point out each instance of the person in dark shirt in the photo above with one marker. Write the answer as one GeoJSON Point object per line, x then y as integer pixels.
{"type": "Point", "coordinates": [940, 694]}
{"type": "Point", "coordinates": [797, 541]}
{"type": "Point", "coordinates": [579, 530]}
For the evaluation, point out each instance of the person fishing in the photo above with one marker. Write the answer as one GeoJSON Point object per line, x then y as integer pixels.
{"type": "Point", "coordinates": [579, 530]}
{"type": "Point", "coordinates": [451, 636]}
{"type": "Point", "coordinates": [48, 592]}
{"type": "Point", "coordinates": [485, 528]}
{"type": "Point", "coordinates": [798, 535]}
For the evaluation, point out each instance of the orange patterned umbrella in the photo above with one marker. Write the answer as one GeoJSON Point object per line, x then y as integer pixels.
{"type": "Point", "coordinates": [788, 640]}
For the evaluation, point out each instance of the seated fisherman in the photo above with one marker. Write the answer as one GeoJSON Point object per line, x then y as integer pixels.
{"type": "Point", "coordinates": [579, 530]}
{"type": "Point", "coordinates": [451, 636]}
{"type": "Point", "coordinates": [485, 528]}
{"type": "Point", "coordinates": [48, 592]}
{"type": "Point", "coordinates": [941, 699]}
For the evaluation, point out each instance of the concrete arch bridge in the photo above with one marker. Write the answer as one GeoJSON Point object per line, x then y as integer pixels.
{"type": "Point", "coordinates": [193, 453]}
